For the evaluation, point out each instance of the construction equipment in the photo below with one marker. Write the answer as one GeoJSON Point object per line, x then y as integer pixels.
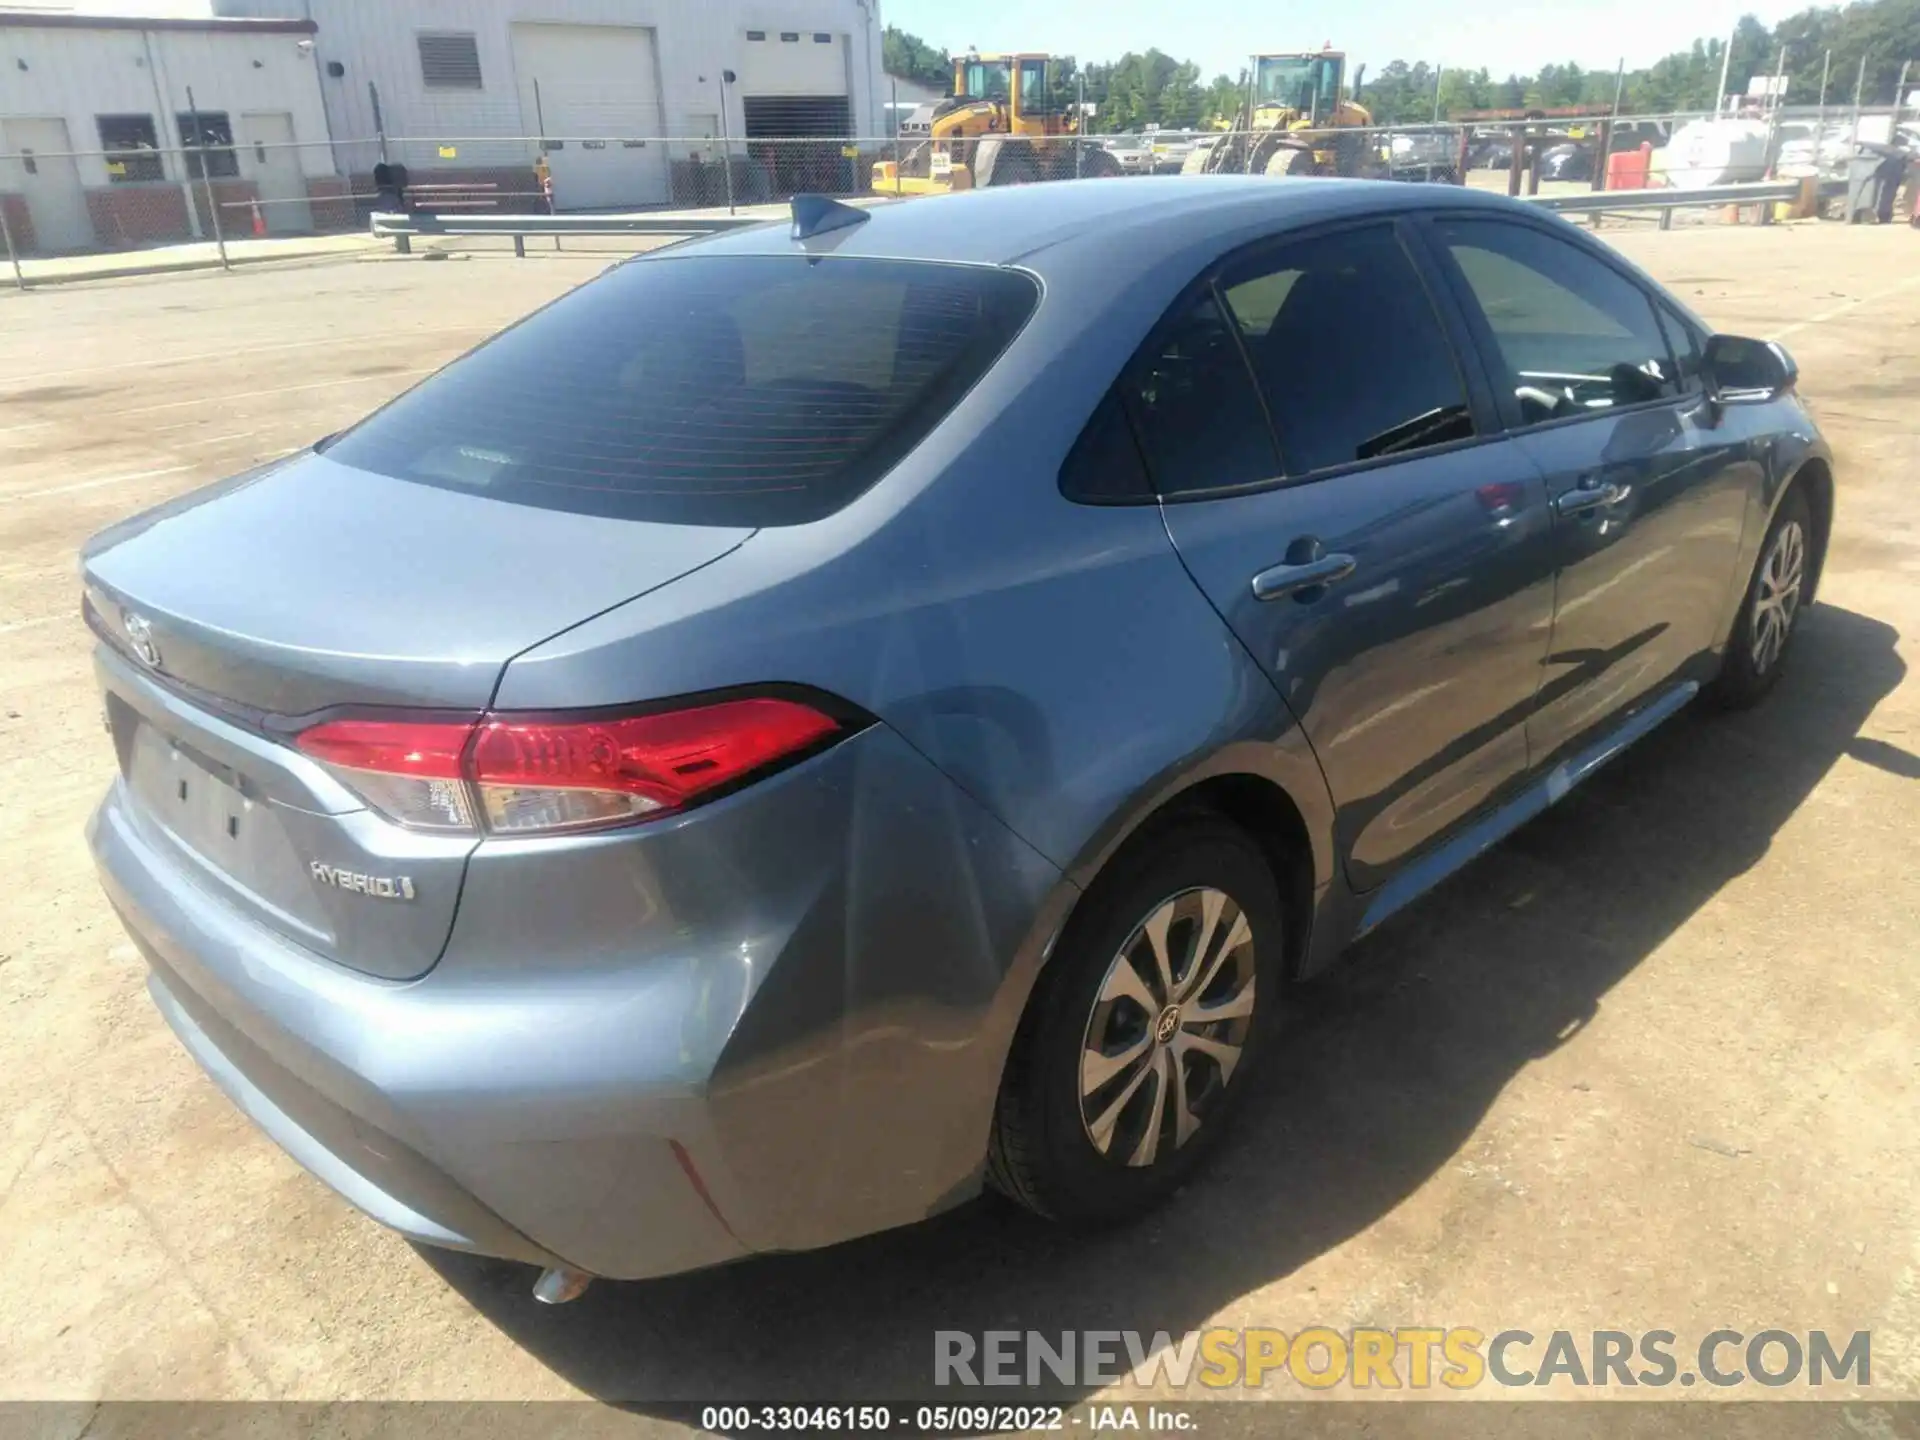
{"type": "Point", "coordinates": [1298, 118]}
{"type": "Point", "coordinates": [1288, 124]}
{"type": "Point", "coordinates": [999, 127]}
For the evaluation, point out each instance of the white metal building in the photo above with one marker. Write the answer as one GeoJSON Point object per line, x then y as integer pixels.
{"type": "Point", "coordinates": [607, 82]}
{"type": "Point", "coordinates": [92, 105]}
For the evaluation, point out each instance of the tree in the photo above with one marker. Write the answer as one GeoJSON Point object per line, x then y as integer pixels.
{"type": "Point", "coordinates": [911, 58]}
{"type": "Point", "coordinates": [1226, 97]}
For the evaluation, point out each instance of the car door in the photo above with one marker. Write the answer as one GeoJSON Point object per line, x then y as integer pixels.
{"type": "Point", "coordinates": [1328, 474]}
{"type": "Point", "coordinates": [1646, 487]}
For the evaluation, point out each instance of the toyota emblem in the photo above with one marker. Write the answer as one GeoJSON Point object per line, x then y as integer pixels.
{"type": "Point", "coordinates": [140, 637]}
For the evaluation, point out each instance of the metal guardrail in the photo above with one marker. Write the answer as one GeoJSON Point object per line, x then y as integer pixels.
{"type": "Point", "coordinates": [402, 228]}
{"type": "Point", "coordinates": [1762, 193]}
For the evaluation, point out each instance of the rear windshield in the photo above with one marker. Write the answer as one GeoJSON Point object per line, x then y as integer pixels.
{"type": "Point", "coordinates": [705, 390]}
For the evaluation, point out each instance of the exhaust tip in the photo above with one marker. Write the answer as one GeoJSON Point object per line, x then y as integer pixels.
{"type": "Point", "coordinates": [560, 1284]}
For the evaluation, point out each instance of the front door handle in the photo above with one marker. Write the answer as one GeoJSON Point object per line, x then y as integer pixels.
{"type": "Point", "coordinates": [1587, 496]}
{"type": "Point", "coordinates": [1281, 580]}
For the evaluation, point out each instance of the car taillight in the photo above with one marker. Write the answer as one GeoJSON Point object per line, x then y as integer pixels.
{"type": "Point", "coordinates": [540, 774]}
{"type": "Point", "coordinates": [410, 771]}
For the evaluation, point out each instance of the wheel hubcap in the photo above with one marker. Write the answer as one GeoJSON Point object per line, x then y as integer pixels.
{"type": "Point", "coordinates": [1168, 1026]}
{"type": "Point", "coordinates": [1776, 595]}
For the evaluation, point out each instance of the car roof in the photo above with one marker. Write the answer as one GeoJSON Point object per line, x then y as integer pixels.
{"type": "Point", "coordinates": [1045, 225]}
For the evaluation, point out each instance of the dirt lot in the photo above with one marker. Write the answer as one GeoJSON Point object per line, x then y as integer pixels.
{"type": "Point", "coordinates": [1653, 1064]}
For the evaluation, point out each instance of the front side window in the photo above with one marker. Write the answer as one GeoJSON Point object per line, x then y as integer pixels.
{"type": "Point", "coordinates": [704, 390]}
{"type": "Point", "coordinates": [1573, 335]}
{"type": "Point", "coordinates": [1194, 406]}
{"type": "Point", "coordinates": [1352, 359]}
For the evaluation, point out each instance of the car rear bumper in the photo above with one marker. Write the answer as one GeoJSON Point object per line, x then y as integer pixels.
{"type": "Point", "coordinates": [775, 1023]}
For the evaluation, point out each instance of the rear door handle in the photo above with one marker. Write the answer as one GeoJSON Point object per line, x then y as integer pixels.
{"type": "Point", "coordinates": [1272, 584]}
{"type": "Point", "coordinates": [1588, 496]}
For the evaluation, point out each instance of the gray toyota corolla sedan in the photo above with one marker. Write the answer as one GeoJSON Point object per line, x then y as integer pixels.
{"type": "Point", "coordinates": [826, 718]}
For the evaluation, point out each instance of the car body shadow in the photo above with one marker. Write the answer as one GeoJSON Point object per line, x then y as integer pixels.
{"type": "Point", "coordinates": [1389, 1064]}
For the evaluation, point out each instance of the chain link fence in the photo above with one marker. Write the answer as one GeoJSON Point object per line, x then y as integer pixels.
{"type": "Point", "coordinates": [239, 190]}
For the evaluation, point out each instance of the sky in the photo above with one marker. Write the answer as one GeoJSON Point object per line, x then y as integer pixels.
{"type": "Point", "coordinates": [1219, 34]}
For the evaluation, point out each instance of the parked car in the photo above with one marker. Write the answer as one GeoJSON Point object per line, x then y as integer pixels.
{"type": "Point", "coordinates": [828, 716]}
{"type": "Point", "coordinates": [1134, 152]}
{"type": "Point", "coordinates": [1170, 151]}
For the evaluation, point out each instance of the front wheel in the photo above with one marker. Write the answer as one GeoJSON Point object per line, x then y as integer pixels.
{"type": "Point", "coordinates": [1769, 616]}
{"type": "Point", "coordinates": [1138, 1042]}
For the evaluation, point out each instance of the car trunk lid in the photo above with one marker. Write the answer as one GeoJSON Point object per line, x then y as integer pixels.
{"type": "Point", "coordinates": [238, 616]}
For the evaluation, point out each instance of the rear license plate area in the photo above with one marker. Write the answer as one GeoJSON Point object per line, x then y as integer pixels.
{"type": "Point", "coordinates": [208, 806]}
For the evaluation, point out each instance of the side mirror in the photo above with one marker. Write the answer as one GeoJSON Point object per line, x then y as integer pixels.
{"type": "Point", "coordinates": [1738, 369]}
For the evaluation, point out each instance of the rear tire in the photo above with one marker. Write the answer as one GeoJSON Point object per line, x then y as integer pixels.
{"type": "Point", "coordinates": [1097, 163]}
{"type": "Point", "coordinates": [1125, 1073]}
{"type": "Point", "coordinates": [1290, 160]}
{"type": "Point", "coordinates": [1770, 614]}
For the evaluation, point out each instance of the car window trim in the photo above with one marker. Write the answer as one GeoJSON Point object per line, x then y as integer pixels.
{"type": "Point", "coordinates": [1669, 319]}
{"type": "Point", "coordinates": [1488, 343]}
{"type": "Point", "coordinates": [1482, 397]}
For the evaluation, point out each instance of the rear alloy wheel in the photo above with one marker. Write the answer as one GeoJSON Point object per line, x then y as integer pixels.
{"type": "Point", "coordinates": [1138, 1041]}
{"type": "Point", "coordinates": [1168, 1026]}
{"type": "Point", "coordinates": [1770, 614]}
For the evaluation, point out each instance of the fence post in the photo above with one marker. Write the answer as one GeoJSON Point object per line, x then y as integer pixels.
{"type": "Point", "coordinates": [206, 181]}
{"type": "Point", "coordinates": [893, 109]}
{"type": "Point", "coordinates": [1079, 124]}
{"type": "Point", "coordinates": [726, 138]}
{"type": "Point", "coordinates": [13, 259]}
{"type": "Point", "coordinates": [1517, 158]}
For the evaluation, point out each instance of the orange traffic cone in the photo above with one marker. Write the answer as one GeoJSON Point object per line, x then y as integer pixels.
{"type": "Point", "coordinates": [259, 220]}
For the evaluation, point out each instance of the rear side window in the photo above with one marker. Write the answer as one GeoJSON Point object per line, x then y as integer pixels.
{"type": "Point", "coordinates": [705, 390]}
{"type": "Point", "coordinates": [1352, 359]}
{"type": "Point", "coordinates": [1194, 406]}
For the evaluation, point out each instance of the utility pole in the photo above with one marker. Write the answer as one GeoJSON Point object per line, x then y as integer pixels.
{"type": "Point", "coordinates": [1776, 98]}
{"type": "Point", "coordinates": [1859, 89]}
{"type": "Point", "coordinates": [1726, 58]}
{"type": "Point", "coordinates": [1820, 121]}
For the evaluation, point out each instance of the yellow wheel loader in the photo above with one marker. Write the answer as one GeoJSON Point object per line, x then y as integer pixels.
{"type": "Point", "coordinates": [1291, 122]}
{"type": "Point", "coordinates": [999, 127]}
